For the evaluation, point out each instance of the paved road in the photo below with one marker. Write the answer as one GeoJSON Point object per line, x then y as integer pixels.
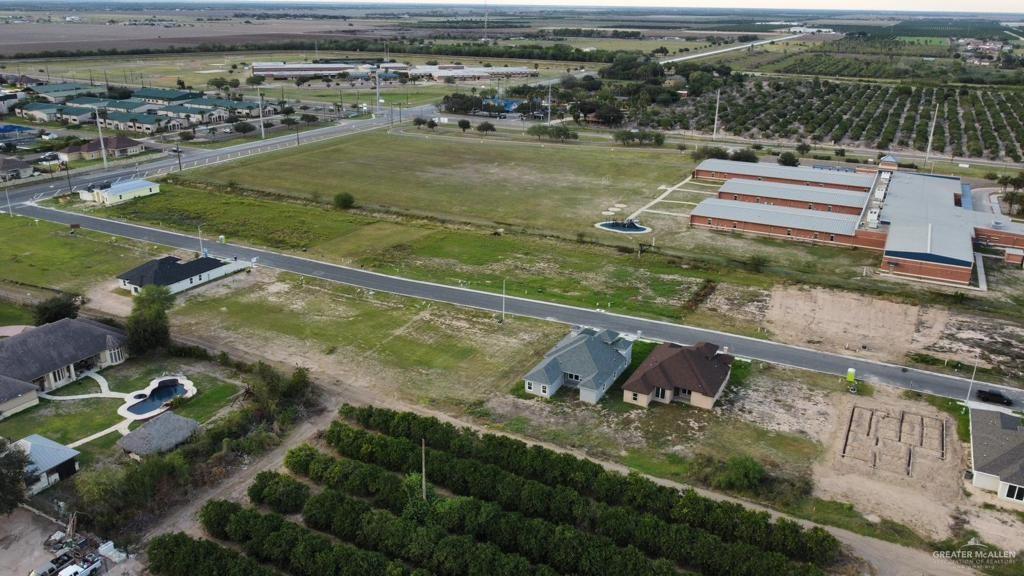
{"type": "Point", "coordinates": [939, 384]}
{"type": "Point", "coordinates": [729, 49]}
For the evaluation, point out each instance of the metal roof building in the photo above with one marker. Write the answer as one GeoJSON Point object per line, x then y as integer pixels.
{"type": "Point", "coordinates": [924, 221]}
{"type": "Point", "coordinates": [790, 173]}
{"type": "Point", "coordinates": [778, 216]}
{"type": "Point", "coordinates": [794, 192]}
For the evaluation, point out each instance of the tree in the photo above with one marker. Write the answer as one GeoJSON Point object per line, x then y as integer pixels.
{"type": "Point", "coordinates": [789, 159]}
{"type": "Point", "coordinates": [419, 122]}
{"type": "Point", "coordinates": [484, 127]}
{"type": "Point", "coordinates": [431, 124]}
{"type": "Point", "coordinates": [254, 80]}
{"type": "Point", "coordinates": [739, 473]}
{"type": "Point", "coordinates": [308, 118]}
{"type": "Point", "coordinates": [464, 125]}
{"type": "Point", "coordinates": [243, 127]}
{"type": "Point", "coordinates": [219, 82]}
{"type": "Point", "coordinates": [289, 121]}
{"type": "Point", "coordinates": [12, 477]}
{"type": "Point", "coordinates": [539, 130]}
{"type": "Point", "coordinates": [803, 148]}
{"type": "Point", "coordinates": [744, 155]}
{"type": "Point", "coordinates": [56, 308]}
{"type": "Point", "coordinates": [181, 84]}
{"type": "Point", "coordinates": [148, 327]}
{"type": "Point", "coordinates": [234, 83]}
{"type": "Point", "coordinates": [344, 201]}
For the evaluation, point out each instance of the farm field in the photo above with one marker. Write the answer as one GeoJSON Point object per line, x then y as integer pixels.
{"type": "Point", "coordinates": [359, 490]}
{"type": "Point", "coordinates": [971, 122]}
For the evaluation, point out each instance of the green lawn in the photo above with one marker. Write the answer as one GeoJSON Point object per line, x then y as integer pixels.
{"type": "Point", "coordinates": [13, 315]}
{"type": "Point", "coordinates": [213, 393]}
{"type": "Point", "coordinates": [63, 421]}
{"type": "Point", "coordinates": [44, 254]}
{"type": "Point", "coordinates": [550, 187]}
{"type": "Point", "coordinates": [83, 386]}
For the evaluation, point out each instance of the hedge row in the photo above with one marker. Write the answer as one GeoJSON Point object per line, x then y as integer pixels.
{"type": "Point", "coordinates": [399, 537]}
{"type": "Point", "coordinates": [293, 548]}
{"type": "Point", "coordinates": [564, 548]}
{"type": "Point", "coordinates": [730, 521]}
{"type": "Point", "coordinates": [178, 555]}
{"type": "Point", "coordinates": [283, 494]}
{"type": "Point", "coordinates": [351, 476]}
{"type": "Point", "coordinates": [686, 545]}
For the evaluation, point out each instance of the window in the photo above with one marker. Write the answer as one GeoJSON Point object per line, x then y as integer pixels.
{"type": "Point", "coordinates": [733, 225]}
{"type": "Point", "coordinates": [735, 196]}
{"type": "Point", "coordinates": [815, 235]}
{"type": "Point", "coordinates": [635, 397]}
{"type": "Point", "coordinates": [659, 393]}
{"type": "Point", "coordinates": [1014, 492]}
{"type": "Point", "coordinates": [830, 208]}
{"type": "Point", "coordinates": [757, 200]}
{"type": "Point", "coordinates": [831, 237]}
{"type": "Point", "coordinates": [572, 377]}
{"type": "Point", "coordinates": [544, 389]}
{"type": "Point", "coordinates": [789, 231]}
{"type": "Point", "coordinates": [681, 392]}
{"type": "Point", "coordinates": [810, 206]}
{"type": "Point", "coordinates": [529, 386]}
{"type": "Point", "coordinates": [710, 221]}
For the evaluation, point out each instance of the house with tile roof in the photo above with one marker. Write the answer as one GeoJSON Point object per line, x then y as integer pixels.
{"type": "Point", "coordinates": [115, 146]}
{"type": "Point", "coordinates": [588, 359]}
{"type": "Point", "coordinates": [695, 375]}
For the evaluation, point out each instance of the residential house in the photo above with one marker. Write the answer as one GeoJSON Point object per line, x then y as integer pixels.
{"type": "Point", "coordinates": [108, 195]}
{"type": "Point", "coordinates": [194, 114]}
{"type": "Point", "coordinates": [15, 396]}
{"type": "Point", "coordinates": [161, 434]}
{"type": "Point", "coordinates": [997, 448]}
{"type": "Point", "coordinates": [234, 107]}
{"type": "Point", "coordinates": [38, 112]}
{"type": "Point", "coordinates": [116, 147]}
{"type": "Point", "coordinates": [588, 359]}
{"type": "Point", "coordinates": [49, 462]}
{"type": "Point", "coordinates": [9, 99]}
{"type": "Point", "coordinates": [76, 115]}
{"type": "Point", "coordinates": [176, 275]}
{"type": "Point", "coordinates": [61, 92]}
{"type": "Point", "coordinates": [140, 122]}
{"type": "Point", "coordinates": [135, 105]}
{"type": "Point", "coordinates": [696, 375]}
{"type": "Point", "coordinates": [14, 169]}
{"type": "Point", "coordinates": [56, 354]}
{"type": "Point", "coordinates": [163, 96]}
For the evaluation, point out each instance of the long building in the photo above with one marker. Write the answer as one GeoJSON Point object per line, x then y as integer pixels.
{"type": "Point", "coordinates": [298, 70]}
{"type": "Point", "coordinates": [924, 225]}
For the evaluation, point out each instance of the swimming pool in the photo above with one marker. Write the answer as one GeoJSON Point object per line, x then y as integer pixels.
{"type": "Point", "coordinates": [165, 391]}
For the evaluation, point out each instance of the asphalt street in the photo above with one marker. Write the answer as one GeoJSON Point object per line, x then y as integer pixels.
{"type": "Point", "coordinates": [909, 378]}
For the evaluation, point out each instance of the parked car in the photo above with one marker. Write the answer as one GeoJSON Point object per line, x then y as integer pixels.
{"type": "Point", "coordinates": [993, 397]}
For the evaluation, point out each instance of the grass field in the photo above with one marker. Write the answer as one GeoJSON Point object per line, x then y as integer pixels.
{"type": "Point", "coordinates": [44, 254]}
{"type": "Point", "coordinates": [548, 187]}
{"type": "Point", "coordinates": [63, 421]}
{"type": "Point", "coordinates": [11, 315]}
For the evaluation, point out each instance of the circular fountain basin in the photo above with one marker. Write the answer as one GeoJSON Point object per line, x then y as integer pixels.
{"type": "Point", "coordinates": [620, 227]}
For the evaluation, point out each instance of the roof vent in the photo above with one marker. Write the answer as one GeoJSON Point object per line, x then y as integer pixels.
{"type": "Point", "coordinates": [997, 224]}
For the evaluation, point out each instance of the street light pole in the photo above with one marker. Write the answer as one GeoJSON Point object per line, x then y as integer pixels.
{"type": "Point", "coordinates": [103, 145]}
{"type": "Point", "coordinates": [973, 374]}
{"type": "Point", "coordinates": [199, 229]}
{"type": "Point", "coordinates": [259, 96]}
{"type": "Point", "coordinates": [7, 187]}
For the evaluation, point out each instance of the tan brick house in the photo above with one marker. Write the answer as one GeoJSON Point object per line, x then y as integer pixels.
{"type": "Point", "coordinates": [695, 375]}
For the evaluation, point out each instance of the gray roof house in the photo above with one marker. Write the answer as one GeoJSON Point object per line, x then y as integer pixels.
{"type": "Point", "coordinates": [55, 354]}
{"type": "Point", "coordinates": [587, 359]}
{"type": "Point", "coordinates": [161, 434]}
{"type": "Point", "coordinates": [14, 168]}
{"type": "Point", "coordinates": [997, 448]}
{"type": "Point", "coordinates": [49, 462]}
{"type": "Point", "coordinates": [15, 396]}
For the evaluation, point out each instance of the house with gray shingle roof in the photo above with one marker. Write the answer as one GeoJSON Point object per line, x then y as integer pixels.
{"type": "Point", "coordinates": [587, 359]}
{"type": "Point", "coordinates": [161, 434]}
{"type": "Point", "coordinates": [56, 354]}
{"type": "Point", "coordinates": [997, 451]}
{"type": "Point", "coordinates": [15, 396]}
{"type": "Point", "coordinates": [49, 462]}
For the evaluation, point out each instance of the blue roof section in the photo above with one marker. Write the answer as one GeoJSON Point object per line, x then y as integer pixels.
{"type": "Point", "coordinates": [966, 198]}
{"type": "Point", "coordinates": [926, 257]}
{"type": "Point", "coordinates": [506, 104]}
{"type": "Point", "coordinates": [12, 128]}
{"type": "Point", "coordinates": [45, 454]}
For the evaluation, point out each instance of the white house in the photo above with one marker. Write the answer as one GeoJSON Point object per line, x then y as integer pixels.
{"type": "Point", "coordinates": [588, 359]}
{"type": "Point", "coordinates": [997, 450]}
{"type": "Point", "coordinates": [176, 275]}
{"type": "Point", "coordinates": [120, 192]}
{"type": "Point", "coordinates": [49, 462]}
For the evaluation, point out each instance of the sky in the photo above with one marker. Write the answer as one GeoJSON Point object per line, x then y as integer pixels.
{"type": "Point", "coordinates": [1001, 6]}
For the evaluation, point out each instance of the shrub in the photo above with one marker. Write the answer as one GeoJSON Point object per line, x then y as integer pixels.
{"type": "Point", "coordinates": [344, 201]}
{"type": "Point", "coordinates": [740, 473]}
{"type": "Point", "coordinates": [283, 494]}
{"type": "Point", "coordinates": [55, 308]}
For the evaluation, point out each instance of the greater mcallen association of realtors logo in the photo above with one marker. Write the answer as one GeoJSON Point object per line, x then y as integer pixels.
{"type": "Point", "coordinates": [977, 553]}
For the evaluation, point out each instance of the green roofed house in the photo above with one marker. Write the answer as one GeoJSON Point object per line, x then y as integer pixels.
{"type": "Point", "coordinates": [163, 95]}
{"type": "Point", "coordinates": [38, 111]}
{"type": "Point", "coordinates": [75, 114]}
{"type": "Point", "coordinates": [587, 359]}
{"type": "Point", "coordinates": [140, 122]}
{"type": "Point", "coordinates": [62, 91]}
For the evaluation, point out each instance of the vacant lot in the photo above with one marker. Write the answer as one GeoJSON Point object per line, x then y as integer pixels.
{"type": "Point", "coordinates": [44, 254]}
{"type": "Point", "coordinates": [549, 187]}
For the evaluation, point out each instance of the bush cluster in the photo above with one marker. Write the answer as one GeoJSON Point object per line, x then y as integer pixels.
{"type": "Point", "coordinates": [283, 494]}
{"type": "Point", "coordinates": [292, 548]}
{"type": "Point", "coordinates": [178, 555]}
{"type": "Point", "coordinates": [730, 521]}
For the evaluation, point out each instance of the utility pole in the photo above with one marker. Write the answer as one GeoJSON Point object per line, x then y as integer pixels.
{"type": "Point", "coordinates": [67, 172]}
{"type": "Point", "coordinates": [103, 145]}
{"type": "Point", "coordinates": [259, 95]}
{"type": "Point", "coordinates": [7, 186]}
{"type": "Point", "coordinates": [503, 300]}
{"type": "Point", "coordinates": [718, 99]}
{"type": "Point", "coordinates": [199, 229]}
{"type": "Point", "coordinates": [931, 133]}
{"type": "Point", "coordinates": [973, 374]}
{"type": "Point", "coordinates": [549, 104]}
{"type": "Point", "coordinates": [376, 105]}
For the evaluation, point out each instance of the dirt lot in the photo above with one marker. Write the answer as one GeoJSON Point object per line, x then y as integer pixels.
{"type": "Point", "coordinates": [22, 535]}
